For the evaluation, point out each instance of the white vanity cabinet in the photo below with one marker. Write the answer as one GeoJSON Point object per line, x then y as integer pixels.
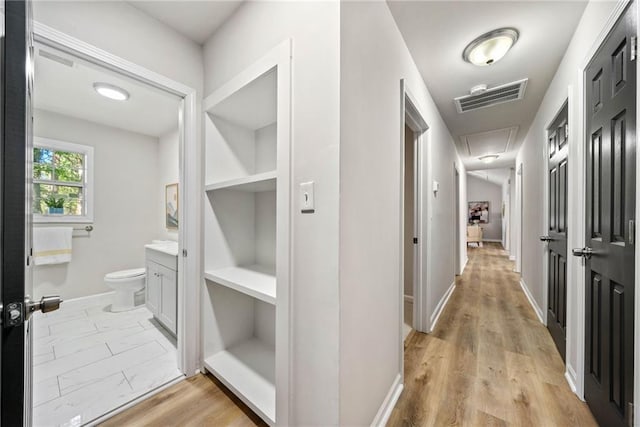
{"type": "Point", "coordinates": [162, 284]}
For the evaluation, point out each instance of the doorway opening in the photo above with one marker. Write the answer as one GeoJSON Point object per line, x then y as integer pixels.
{"type": "Point", "coordinates": [413, 286]}
{"type": "Point", "coordinates": [410, 228]}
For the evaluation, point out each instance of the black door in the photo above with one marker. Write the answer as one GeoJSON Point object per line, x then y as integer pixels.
{"type": "Point", "coordinates": [610, 81]}
{"type": "Point", "coordinates": [558, 133]}
{"type": "Point", "coordinates": [14, 130]}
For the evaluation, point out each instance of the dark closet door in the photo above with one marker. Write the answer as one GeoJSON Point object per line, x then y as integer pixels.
{"type": "Point", "coordinates": [558, 134]}
{"type": "Point", "coordinates": [610, 82]}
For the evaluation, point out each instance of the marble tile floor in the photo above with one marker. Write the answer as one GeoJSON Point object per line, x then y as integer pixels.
{"type": "Point", "coordinates": [88, 361]}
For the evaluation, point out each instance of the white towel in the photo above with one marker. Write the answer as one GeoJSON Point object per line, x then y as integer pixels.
{"type": "Point", "coordinates": [52, 245]}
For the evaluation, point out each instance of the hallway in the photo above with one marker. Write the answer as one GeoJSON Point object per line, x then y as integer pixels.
{"type": "Point", "coordinates": [489, 360]}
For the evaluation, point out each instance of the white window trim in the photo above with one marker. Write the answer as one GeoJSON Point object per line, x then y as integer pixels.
{"type": "Point", "coordinates": [88, 183]}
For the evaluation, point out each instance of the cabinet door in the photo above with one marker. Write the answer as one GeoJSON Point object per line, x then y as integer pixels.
{"type": "Point", "coordinates": [169, 298]}
{"type": "Point", "coordinates": [153, 288]}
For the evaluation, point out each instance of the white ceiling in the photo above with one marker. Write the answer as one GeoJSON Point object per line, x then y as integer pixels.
{"type": "Point", "coordinates": [69, 90]}
{"type": "Point", "coordinates": [496, 176]}
{"type": "Point", "coordinates": [437, 32]}
{"type": "Point", "coordinates": [197, 20]}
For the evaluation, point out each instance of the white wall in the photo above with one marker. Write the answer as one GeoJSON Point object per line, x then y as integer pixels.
{"type": "Point", "coordinates": [374, 58]}
{"type": "Point", "coordinates": [480, 190]}
{"type": "Point", "coordinates": [123, 30]}
{"type": "Point", "coordinates": [168, 173]}
{"type": "Point", "coordinates": [531, 155]}
{"type": "Point", "coordinates": [125, 180]}
{"type": "Point", "coordinates": [254, 29]}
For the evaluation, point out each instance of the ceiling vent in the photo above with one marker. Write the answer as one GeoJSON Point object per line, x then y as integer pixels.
{"type": "Point", "coordinates": [494, 96]}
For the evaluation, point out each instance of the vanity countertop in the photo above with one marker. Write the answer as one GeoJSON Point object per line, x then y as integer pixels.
{"type": "Point", "coordinates": [167, 247]}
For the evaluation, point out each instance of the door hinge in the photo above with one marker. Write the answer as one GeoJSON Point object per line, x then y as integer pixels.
{"type": "Point", "coordinates": [632, 232]}
{"type": "Point", "coordinates": [184, 253]}
{"type": "Point", "coordinates": [415, 240]}
{"type": "Point", "coordinates": [631, 414]}
{"type": "Point", "coordinates": [634, 48]}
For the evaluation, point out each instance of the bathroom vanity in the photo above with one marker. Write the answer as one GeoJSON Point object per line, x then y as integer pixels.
{"type": "Point", "coordinates": [162, 283]}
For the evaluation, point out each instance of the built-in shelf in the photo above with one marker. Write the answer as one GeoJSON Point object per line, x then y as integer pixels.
{"type": "Point", "coordinates": [265, 181]}
{"type": "Point", "coordinates": [257, 281]}
{"type": "Point", "coordinates": [248, 369]}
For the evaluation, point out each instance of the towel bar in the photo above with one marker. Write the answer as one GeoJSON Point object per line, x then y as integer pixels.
{"type": "Point", "coordinates": [88, 229]}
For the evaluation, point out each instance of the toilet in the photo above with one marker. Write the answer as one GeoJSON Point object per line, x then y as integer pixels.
{"type": "Point", "coordinates": [125, 283]}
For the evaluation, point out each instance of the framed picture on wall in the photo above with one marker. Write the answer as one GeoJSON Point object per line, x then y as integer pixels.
{"type": "Point", "coordinates": [478, 212]}
{"type": "Point", "coordinates": [171, 206]}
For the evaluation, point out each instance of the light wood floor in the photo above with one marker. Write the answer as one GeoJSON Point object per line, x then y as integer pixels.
{"type": "Point", "coordinates": [198, 401]}
{"type": "Point", "coordinates": [489, 362]}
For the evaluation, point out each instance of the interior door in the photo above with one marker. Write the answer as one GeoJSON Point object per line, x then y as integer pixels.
{"type": "Point", "coordinates": [610, 81]}
{"type": "Point", "coordinates": [557, 233]}
{"type": "Point", "coordinates": [15, 123]}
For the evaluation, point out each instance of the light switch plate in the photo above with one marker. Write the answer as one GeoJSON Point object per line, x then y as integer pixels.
{"type": "Point", "coordinates": [307, 204]}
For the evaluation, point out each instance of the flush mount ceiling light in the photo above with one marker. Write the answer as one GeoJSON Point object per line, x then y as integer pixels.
{"type": "Point", "coordinates": [110, 91]}
{"type": "Point", "coordinates": [490, 47]}
{"type": "Point", "coordinates": [488, 158]}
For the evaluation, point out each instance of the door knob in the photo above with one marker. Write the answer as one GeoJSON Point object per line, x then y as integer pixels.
{"type": "Point", "coordinates": [46, 304]}
{"type": "Point", "coordinates": [585, 252]}
{"type": "Point", "coordinates": [546, 238]}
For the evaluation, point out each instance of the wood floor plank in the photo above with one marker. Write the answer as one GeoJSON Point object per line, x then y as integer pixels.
{"type": "Point", "coordinates": [198, 401]}
{"type": "Point", "coordinates": [517, 377]}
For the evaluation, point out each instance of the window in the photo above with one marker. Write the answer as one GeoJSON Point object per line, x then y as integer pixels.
{"type": "Point", "coordinates": [62, 181]}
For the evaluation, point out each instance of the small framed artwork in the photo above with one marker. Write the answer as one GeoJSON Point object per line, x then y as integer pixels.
{"type": "Point", "coordinates": [171, 206]}
{"type": "Point", "coordinates": [478, 212]}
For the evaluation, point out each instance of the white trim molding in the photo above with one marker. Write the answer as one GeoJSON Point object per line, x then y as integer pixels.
{"type": "Point", "coordinates": [389, 402]}
{"type": "Point", "coordinates": [512, 257]}
{"type": "Point", "coordinates": [532, 301]}
{"type": "Point", "coordinates": [440, 307]}
{"type": "Point", "coordinates": [408, 298]}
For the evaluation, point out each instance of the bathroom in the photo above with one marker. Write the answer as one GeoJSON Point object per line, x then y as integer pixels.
{"type": "Point", "coordinates": [105, 227]}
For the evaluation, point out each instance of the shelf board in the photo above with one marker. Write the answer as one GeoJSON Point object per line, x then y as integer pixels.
{"type": "Point", "coordinates": [265, 181]}
{"type": "Point", "coordinates": [248, 369]}
{"type": "Point", "coordinates": [256, 281]}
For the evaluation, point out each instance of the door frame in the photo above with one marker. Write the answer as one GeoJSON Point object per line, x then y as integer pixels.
{"type": "Point", "coordinates": [410, 114]}
{"type": "Point", "coordinates": [458, 268]}
{"type": "Point", "coordinates": [520, 213]}
{"type": "Point", "coordinates": [576, 273]}
{"type": "Point", "coordinates": [189, 195]}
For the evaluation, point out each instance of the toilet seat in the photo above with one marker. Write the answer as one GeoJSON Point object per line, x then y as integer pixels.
{"type": "Point", "coordinates": [125, 274]}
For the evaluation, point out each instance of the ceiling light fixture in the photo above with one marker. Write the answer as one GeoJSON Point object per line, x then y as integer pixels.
{"type": "Point", "coordinates": [490, 47]}
{"type": "Point", "coordinates": [488, 158]}
{"type": "Point", "coordinates": [110, 91]}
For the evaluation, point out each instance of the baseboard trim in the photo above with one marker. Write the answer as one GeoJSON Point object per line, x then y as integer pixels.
{"type": "Point", "coordinates": [382, 417]}
{"type": "Point", "coordinates": [532, 301]}
{"type": "Point", "coordinates": [408, 298]}
{"type": "Point", "coordinates": [570, 381]}
{"type": "Point", "coordinates": [102, 294]}
{"type": "Point", "coordinates": [512, 257]}
{"type": "Point", "coordinates": [464, 265]}
{"type": "Point", "coordinates": [492, 240]}
{"type": "Point", "coordinates": [440, 307]}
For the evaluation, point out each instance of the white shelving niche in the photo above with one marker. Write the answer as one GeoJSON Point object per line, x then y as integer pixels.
{"type": "Point", "coordinates": [246, 235]}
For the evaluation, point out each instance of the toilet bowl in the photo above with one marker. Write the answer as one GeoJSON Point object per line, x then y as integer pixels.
{"type": "Point", "coordinates": [125, 283]}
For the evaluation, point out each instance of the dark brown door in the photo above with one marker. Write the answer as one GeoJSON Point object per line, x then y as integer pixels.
{"type": "Point", "coordinates": [610, 82]}
{"type": "Point", "coordinates": [557, 233]}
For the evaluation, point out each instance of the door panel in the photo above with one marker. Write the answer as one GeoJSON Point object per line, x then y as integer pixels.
{"type": "Point", "coordinates": [610, 203]}
{"type": "Point", "coordinates": [557, 246]}
{"type": "Point", "coordinates": [15, 123]}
